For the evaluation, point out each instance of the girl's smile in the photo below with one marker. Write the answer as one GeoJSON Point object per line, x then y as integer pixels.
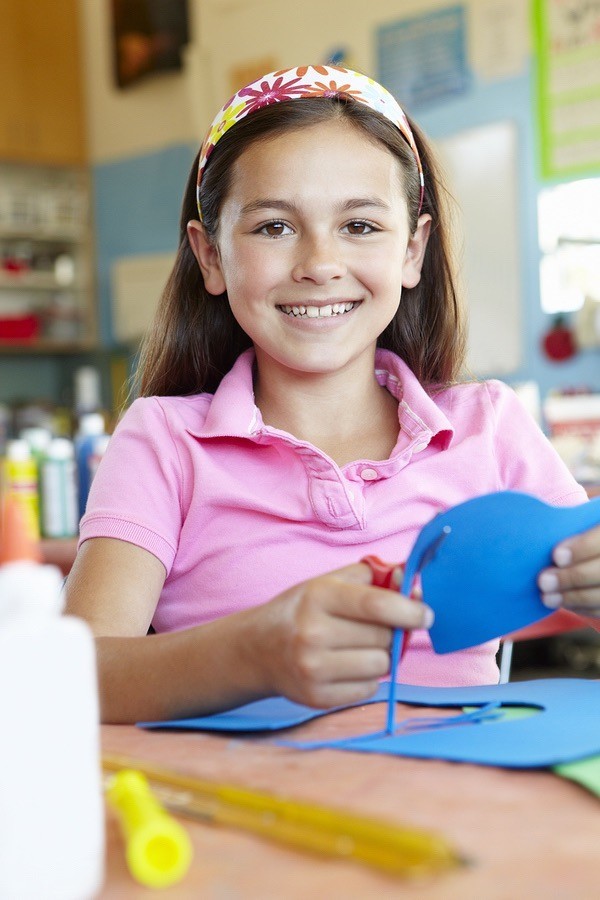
{"type": "Point", "coordinates": [316, 311]}
{"type": "Point", "coordinates": [313, 248]}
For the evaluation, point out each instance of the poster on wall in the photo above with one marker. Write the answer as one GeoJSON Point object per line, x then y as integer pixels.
{"type": "Point", "coordinates": [567, 44]}
{"type": "Point", "coordinates": [423, 60]}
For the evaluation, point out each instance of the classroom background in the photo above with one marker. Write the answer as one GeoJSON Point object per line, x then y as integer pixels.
{"type": "Point", "coordinates": [109, 102]}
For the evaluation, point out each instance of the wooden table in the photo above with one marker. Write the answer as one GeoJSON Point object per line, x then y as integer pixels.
{"type": "Point", "coordinates": [59, 552]}
{"type": "Point", "coordinates": [527, 833]}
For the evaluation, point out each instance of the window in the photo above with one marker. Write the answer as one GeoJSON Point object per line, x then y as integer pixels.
{"type": "Point", "coordinates": [569, 238]}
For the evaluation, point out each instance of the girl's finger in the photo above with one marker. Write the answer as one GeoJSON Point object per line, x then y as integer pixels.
{"type": "Point", "coordinates": [577, 549]}
{"type": "Point", "coordinates": [347, 634]}
{"type": "Point", "coordinates": [352, 665]}
{"type": "Point", "coordinates": [378, 606]}
{"type": "Point", "coordinates": [584, 602]}
{"type": "Point", "coordinates": [578, 577]}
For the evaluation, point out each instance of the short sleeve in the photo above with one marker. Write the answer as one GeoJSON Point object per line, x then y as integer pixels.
{"type": "Point", "coordinates": [526, 459]}
{"type": "Point", "coordinates": [136, 493]}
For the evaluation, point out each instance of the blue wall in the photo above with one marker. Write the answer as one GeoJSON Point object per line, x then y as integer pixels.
{"type": "Point", "coordinates": [137, 203]}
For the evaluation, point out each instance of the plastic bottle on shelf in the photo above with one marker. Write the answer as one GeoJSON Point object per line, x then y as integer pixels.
{"type": "Point", "coordinates": [91, 427]}
{"type": "Point", "coordinates": [21, 482]}
{"type": "Point", "coordinates": [58, 490]}
{"type": "Point", "coordinates": [38, 437]}
{"type": "Point", "coordinates": [87, 390]}
{"type": "Point", "coordinates": [51, 809]}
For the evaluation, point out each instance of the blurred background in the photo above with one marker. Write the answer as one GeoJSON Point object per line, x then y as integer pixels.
{"type": "Point", "coordinates": [104, 105]}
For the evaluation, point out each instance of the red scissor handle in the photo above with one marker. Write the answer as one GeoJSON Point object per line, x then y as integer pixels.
{"type": "Point", "coordinates": [381, 576]}
{"type": "Point", "coordinates": [381, 572]}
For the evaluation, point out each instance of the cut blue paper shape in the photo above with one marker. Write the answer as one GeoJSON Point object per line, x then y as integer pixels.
{"type": "Point", "coordinates": [479, 563]}
{"type": "Point", "coordinates": [481, 581]}
{"type": "Point", "coordinates": [566, 729]}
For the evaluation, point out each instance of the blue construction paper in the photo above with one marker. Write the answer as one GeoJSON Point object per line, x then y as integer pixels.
{"type": "Point", "coordinates": [481, 581]}
{"type": "Point", "coordinates": [567, 727]}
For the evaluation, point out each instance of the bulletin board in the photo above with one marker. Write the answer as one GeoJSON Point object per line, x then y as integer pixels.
{"type": "Point", "coordinates": [423, 60]}
{"type": "Point", "coordinates": [567, 45]}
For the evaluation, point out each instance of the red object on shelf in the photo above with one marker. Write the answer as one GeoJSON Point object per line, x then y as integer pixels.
{"type": "Point", "coordinates": [19, 328]}
{"type": "Point", "coordinates": [559, 341]}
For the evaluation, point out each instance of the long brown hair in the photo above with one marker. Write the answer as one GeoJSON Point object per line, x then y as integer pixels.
{"type": "Point", "coordinates": [195, 339]}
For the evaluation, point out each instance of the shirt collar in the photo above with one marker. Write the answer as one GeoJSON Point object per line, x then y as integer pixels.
{"type": "Point", "coordinates": [233, 412]}
{"type": "Point", "coordinates": [418, 411]}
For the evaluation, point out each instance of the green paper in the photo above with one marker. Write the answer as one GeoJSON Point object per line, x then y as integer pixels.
{"type": "Point", "coordinates": [585, 772]}
{"type": "Point", "coordinates": [509, 712]}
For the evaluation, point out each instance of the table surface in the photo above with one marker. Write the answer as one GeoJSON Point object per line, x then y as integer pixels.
{"type": "Point", "coordinates": [526, 833]}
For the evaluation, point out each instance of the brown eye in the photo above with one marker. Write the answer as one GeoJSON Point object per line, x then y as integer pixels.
{"type": "Point", "coordinates": [274, 229]}
{"type": "Point", "coordinates": [359, 228]}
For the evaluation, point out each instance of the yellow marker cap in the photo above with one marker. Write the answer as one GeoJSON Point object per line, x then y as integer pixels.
{"type": "Point", "coordinates": [158, 849]}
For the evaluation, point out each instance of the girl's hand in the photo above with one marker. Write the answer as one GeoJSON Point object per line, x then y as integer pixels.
{"type": "Point", "coordinates": [574, 582]}
{"type": "Point", "coordinates": [326, 642]}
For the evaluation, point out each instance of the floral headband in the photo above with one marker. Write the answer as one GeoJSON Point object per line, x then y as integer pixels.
{"type": "Point", "coordinates": [306, 82]}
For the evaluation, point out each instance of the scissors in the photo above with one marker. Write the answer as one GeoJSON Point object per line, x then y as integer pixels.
{"type": "Point", "coordinates": [381, 576]}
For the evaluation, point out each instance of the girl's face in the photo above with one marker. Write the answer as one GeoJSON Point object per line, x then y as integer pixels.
{"type": "Point", "coordinates": [313, 248]}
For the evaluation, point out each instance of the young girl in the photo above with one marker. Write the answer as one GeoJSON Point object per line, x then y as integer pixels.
{"type": "Point", "coordinates": [299, 411]}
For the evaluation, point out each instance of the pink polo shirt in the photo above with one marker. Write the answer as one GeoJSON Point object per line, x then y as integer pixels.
{"type": "Point", "coordinates": [237, 511]}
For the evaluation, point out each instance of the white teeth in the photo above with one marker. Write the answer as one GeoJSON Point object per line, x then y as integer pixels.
{"type": "Point", "coordinates": [318, 312]}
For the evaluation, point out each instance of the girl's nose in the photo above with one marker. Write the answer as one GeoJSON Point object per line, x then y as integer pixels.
{"type": "Point", "coordinates": [319, 261]}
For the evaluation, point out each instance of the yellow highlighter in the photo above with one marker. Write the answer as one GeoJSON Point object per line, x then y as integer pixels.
{"type": "Point", "coordinates": [158, 849]}
{"type": "Point", "coordinates": [395, 849]}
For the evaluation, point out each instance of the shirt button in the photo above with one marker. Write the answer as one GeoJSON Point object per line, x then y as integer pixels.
{"type": "Point", "coordinates": [369, 475]}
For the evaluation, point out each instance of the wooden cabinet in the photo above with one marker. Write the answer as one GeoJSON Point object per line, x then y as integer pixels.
{"type": "Point", "coordinates": [41, 100]}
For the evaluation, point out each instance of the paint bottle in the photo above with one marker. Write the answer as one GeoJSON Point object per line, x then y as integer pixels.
{"type": "Point", "coordinates": [58, 490]}
{"type": "Point", "coordinates": [51, 809]}
{"type": "Point", "coordinates": [87, 390]}
{"type": "Point", "coordinates": [21, 482]}
{"type": "Point", "coordinates": [38, 437]}
{"type": "Point", "coordinates": [91, 427]}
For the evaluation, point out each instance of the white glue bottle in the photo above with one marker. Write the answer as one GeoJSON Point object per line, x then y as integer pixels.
{"type": "Point", "coordinates": [51, 807]}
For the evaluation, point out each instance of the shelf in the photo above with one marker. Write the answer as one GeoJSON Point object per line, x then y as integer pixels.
{"type": "Point", "coordinates": [47, 284]}
{"type": "Point", "coordinates": [41, 233]}
{"type": "Point", "coordinates": [36, 281]}
{"type": "Point", "coordinates": [48, 346]}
